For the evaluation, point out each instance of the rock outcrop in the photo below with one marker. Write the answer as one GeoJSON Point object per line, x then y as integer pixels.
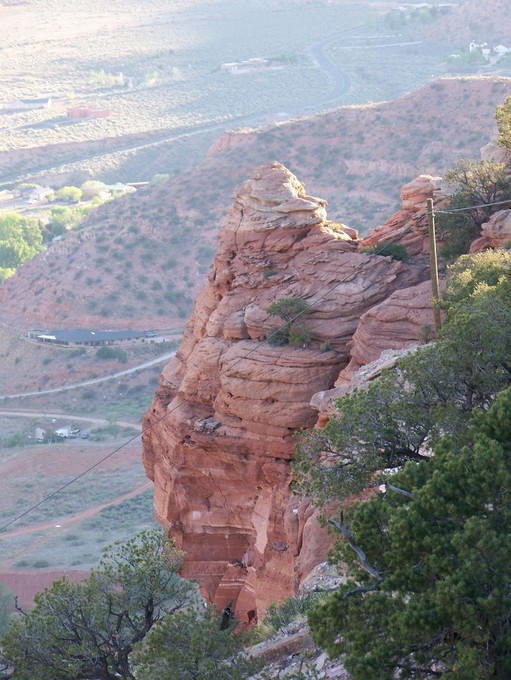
{"type": "Point", "coordinates": [230, 140]}
{"type": "Point", "coordinates": [218, 437]}
{"type": "Point", "coordinates": [409, 225]}
{"type": "Point", "coordinates": [403, 319]}
{"type": "Point", "coordinates": [495, 233]}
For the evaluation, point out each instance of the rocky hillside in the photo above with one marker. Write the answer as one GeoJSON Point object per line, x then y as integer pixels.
{"type": "Point", "coordinates": [142, 259]}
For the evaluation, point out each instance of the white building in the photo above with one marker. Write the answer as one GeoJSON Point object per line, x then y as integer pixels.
{"type": "Point", "coordinates": [28, 104]}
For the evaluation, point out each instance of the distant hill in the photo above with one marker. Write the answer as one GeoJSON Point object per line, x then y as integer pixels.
{"type": "Point", "coordinates": [479, 20]}
{"type": "Point", "coordinates": [144, 257]}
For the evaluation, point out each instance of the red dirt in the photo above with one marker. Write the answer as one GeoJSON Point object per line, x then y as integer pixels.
{"type": "Point", "coordinates": [64, 460]}
{"type": "Point", "coordinates": [26, 584]}
{"type": "Point", "coordinates": [61, 460]}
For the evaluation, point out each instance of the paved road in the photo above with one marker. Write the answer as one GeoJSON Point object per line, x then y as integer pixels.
{"type": "Point", "coordinates": [342, 82]}
{"type": "Point", "coordinates": [93, 381]}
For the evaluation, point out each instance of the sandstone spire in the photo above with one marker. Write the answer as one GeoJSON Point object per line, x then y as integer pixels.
{"type": "Point", "coordinates": [229, 402]}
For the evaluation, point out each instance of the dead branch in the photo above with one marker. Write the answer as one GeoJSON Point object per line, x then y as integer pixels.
{"type": "Point", "coordinates": [362, 558]}
{"type": "Point", "coordinates": [403, 492]}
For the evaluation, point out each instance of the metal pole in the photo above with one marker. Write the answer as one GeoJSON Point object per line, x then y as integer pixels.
{"type": "Point", "coordinates": [433, 265]}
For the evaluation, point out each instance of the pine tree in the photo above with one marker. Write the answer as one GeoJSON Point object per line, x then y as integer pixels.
{"type": "Point", "coordinates": [431, 596]}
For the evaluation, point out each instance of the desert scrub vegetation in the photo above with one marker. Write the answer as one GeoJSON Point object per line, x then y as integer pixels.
{"type": "Point", "coordinates": [112, 353]}
{"type": "Point", "coordinates": [112, 431]}
{"type": "Point", "coordinates": [503, 116]}
{"type": "Point", "coordinates": [396, 251]}
{"type": "Point", "coordinates": [97, 489]}
{"type": "Point", "coordinates": [295, 331]}
{"type": "Point", "coordinates": [291, 608]}
{"type": "Point", "coordinates": [125, 515]}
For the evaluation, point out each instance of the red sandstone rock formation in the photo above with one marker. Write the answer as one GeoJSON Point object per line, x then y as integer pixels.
{"type": "Point", "coordinates": [221, 425]}
{"type": "Point", "coordinates": [494, 233]}
{"type": "Point", "coordinates": [497, 231]}
{"type": "Point", "coordinates": [409, 226]}
{"type": "Point", "coordinates": [383, 335]}
{"type": "Point", "coordinates": [403, 319]}
{"type": "Point", "coordinates": [229, 140]}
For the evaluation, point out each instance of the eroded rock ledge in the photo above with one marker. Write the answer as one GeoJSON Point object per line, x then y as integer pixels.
{"type": "Point", "coordinates": [223, 417]}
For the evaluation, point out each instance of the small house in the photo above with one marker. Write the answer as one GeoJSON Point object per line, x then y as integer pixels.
{"type": "Point", "coordinates": [28, 104]}
{"type": "Point", "coordinates": [84, 111]}
{"type": "Point", "coordinates": [252, 64]}
{"type": "Point", "coordinates": [38, 194]}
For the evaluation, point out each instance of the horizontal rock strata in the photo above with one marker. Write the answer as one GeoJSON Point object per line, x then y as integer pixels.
{"type": "Point", "coordinates": [220, 429]}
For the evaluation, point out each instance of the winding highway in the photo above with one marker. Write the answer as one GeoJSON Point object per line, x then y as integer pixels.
{"type": "Point", "coordinates": [342, 82]}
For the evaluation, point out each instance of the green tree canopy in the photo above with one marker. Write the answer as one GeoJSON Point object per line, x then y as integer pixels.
{"type": "Point", "coordinates": [20, 240]}
{"type": "Point", "coordinates": [503, 116]}
{"type": "Point", "coordinates": [476, 185]}
{"type": "Point", "coordinates": [92, 188]}
{"type": "Point", "coordinates": [6, 606]}
{"type": "Point", "coordinates": [191, 646]}
{"type": "Point", "coordinates": [429, 595]}
{"type": "Point", "coordinates": [88, 629]}
{"type": "Point", "coordinates": [396, 251]}
{"type": "Point", "coordinates": [69, 194]}
{"type": "Point", "coordinates": [63, 218]}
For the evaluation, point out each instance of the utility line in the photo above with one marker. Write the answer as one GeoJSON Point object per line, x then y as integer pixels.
{"type": "Point", "coordinates": [237, 361]}
{"type": "Point", "coordinates": [18, 329]}
{"type": "Point", "coordinates": [209, 382]}
{"type": "Point", "coordinates": [470, 207]}
{"type": "Point", "coordinates": [71, 481]}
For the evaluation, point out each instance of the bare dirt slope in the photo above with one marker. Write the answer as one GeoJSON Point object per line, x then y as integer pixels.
{"type": "Point", "coordinates": [145, 256]}
{"type": "Point", "coordinates": [479, 20]}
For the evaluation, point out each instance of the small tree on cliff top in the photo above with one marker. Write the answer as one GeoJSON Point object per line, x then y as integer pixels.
{"type": "Point", "coordinates": [292, 311]}
{"type": "Point", "coordinates": [88, 629]}
{"type": "Point", "coordinates": [476, 186]}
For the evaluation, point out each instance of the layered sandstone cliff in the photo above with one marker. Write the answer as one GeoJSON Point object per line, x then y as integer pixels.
{"type": "Point", "coordinates": [220, 437]}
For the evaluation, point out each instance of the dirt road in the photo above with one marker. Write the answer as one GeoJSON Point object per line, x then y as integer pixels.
{"type": "Point", "coordinates": [93, 381]}
{"type": "Point", "coordinates": [61, 416]}
{"type": "Point", "coordinates": [69, 521]}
